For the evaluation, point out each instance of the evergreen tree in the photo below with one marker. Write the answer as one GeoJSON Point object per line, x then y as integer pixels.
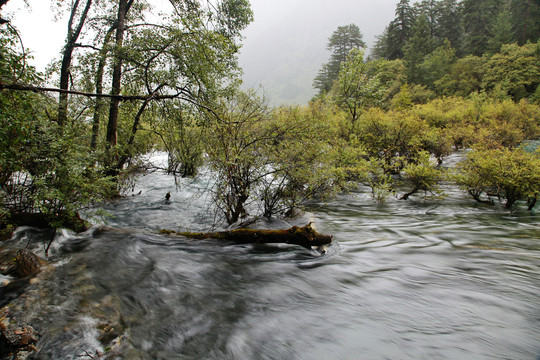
{"type": "Point", "coordinates": [399, 30]}
{"type": "Point", "coordinates": [525, 16]}
{"type": "Point", "coordinates": [449, 23]}
{"type": "Point", "coordinates": [419, 45]}
{"type": "Point", "coordinates": [501, 32]}
{"type": "Point", "coordinates": [478, 19]}
{"type": "Point", "coordinates": [431, 10]}
{"type": "Point", "coordinates": [380, 49]}
{"type": "Point", "coordinates": [342, 41]}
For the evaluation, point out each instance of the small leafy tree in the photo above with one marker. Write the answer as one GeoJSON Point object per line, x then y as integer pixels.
{"type": "Point", "coordinates": [423, 175]}
{"type": "Point", "coordinates": [395, 136]}
{"type": "Point", "coordinates": [503, 174]}
{"type": "Point", "coordinates": [357, 88]}
{"type": "Point", "coordinates": [515, 70]}
{"type": "Point", "coordinates": [236, 141]}
{"type": "Point", "coordinates": [181, 137]}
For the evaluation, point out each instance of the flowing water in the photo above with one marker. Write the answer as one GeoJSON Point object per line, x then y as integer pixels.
{"type": "Point", "coordinates": [413, 279]}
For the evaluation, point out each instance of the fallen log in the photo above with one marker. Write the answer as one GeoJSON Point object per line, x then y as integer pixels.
{"type": "Point", "coordinates": [304, 236]}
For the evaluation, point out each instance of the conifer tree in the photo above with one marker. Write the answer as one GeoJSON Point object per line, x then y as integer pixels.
{"type": "Point", "coordinates": [342, 41]}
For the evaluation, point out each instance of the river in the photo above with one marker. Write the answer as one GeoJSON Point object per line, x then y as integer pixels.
{"type": "Point", "coordinates": [415, 279]}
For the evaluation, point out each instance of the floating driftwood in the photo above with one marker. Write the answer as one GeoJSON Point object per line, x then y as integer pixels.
{"type": "Point", "coordinates": [304, 236]}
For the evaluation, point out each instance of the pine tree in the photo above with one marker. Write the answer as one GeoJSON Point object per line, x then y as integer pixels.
{"type": "Point", "coordinates": [399, 30]}
{"type": "Point", "coordinates": [449, 23]}
{"type": "Point", "coordinates": [478, 19]}
{"type": "Point", "coordinates": [525, 16]}
{"type": "Point", "coordinates": [342, 41]}
{"type": "Point", "coordinates": [502, 33]}
{"type": "Point", "coordinates": [419, 45]}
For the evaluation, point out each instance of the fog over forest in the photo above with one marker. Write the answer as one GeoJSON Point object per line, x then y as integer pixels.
{"type": "Point", "coordinates": [285, 45]}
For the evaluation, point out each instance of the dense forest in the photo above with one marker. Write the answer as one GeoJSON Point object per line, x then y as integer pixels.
{"type": "Point", "coordinates": [444, 76]}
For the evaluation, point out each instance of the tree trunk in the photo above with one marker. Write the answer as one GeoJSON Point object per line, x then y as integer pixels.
{"type": "Point", "coordinates": [304, 236]}
{"type": "Point", "coordinates": [67, 55]}
{"type": "Point", "coordinates": [124, 158]}
{"type": "Point", "coordinates": [99, 88]}
{"type": "Point", "coordinates": [406, 196]}
{"type": "Point", "coordinates": [112, 139]}
{"type": "Point", "coordinates": [531, 202]}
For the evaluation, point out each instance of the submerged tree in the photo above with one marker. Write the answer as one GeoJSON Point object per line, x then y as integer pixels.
{"type": "Point", "coordinates": [266, 162]}
{"type": "Point", "coordinates": [508, 175]}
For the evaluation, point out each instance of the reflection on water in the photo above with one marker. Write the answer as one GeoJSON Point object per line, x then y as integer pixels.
{"type": "Point", "coordinates": [405, 280]}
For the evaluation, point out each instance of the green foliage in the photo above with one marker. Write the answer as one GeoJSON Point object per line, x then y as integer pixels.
{"type": "Point", "coordinates": [303, 159]}
{"type": "Point", "coordinates": [391, 44]}
{"type": "Point", "coordinates": [478, 19]}
{"type": "Point", "coordinates": [181, 137]}
{"type": "Point", "coordinates": [402, 100]}
{"type": "Point", "coordinates": [464, 77]}
{"type": "Point", "coordinates": [391, 75]}
{"type": "Point", "coordinates": [394, 137]}
{"type": "Point", "coordinates": [503, 174]}
{"type": "Point", "coordinates": [525, 19]}
{"type": "Point", "coordinates": [342, 41]}
{"type": "Point", "coordinates": [378, 179]}
{"type": "Point", "coordinates": [356, 88]}
{"type": "Point", "coordinates": [501, 31]}
{"type": "Point", "coordinates": [423, 175]}
{"type": "Point", "coordinates": [433, 36]}
{"type": "Point", "coordinates": [268, 162]}
{"type": "Point", "coordinates": [515, 70]}
{"type": "Point", "coordinates": [437, 64]}
{"type": "Point", "coordinates": [42, 169]}
{"type": "Point", "coordinates": [419, 45]}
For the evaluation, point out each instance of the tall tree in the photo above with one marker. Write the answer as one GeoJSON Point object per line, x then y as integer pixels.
{"type": "Point", "coordinates": [449, 25]}
{"type": "Point", "coordinates": [342, 41]}
{"type": "Point", "coordinates": [123, 8]}
{"type": "Point", "coordinates": [478, 18]}
{"type": "Point", "coordinates": [78, 15]}
{"type": "Point", "coordinates": [400, 29]}
{"type": "Point", "coordinates": [431, 10]}
{"type": "Point", "coordinates": [526, 20]}
{"type": "Point", "coordinates": [502, 32]}
{"type": "Point", "coordinates": [419, 45]}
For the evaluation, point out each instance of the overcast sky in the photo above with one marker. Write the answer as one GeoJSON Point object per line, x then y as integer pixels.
{"type": "Point", "coordinates": [283, 48]}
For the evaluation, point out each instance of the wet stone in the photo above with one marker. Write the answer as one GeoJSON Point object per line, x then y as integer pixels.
{"type": "Point", "coordinates": [17, 338]}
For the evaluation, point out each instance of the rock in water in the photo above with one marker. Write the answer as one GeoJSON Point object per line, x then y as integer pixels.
{"type": "Point", "coordinates": [28, 264]}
